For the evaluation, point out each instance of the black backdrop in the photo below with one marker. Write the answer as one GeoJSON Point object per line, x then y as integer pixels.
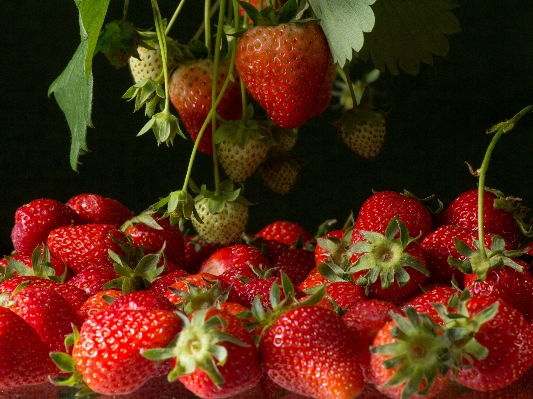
{"type": "Point", "coordinates": [437, 122]}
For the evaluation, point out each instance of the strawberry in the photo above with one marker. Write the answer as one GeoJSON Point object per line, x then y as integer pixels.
{"type": "Point", "coordinates": [108, 353]}
{"type": "Point", "coordinates": [178, 290]}
{"type": "Point", "coordinates": [305, 350]}
{"type": "Point", "coordinates": [363, 131]}
{"type": "Point", "coordinates": [142, 300]}
{"type": "Point", "coordinates": [161, 284]}
{"type": "Point", "coordinates": [35, 220]}
{"type": "Point", "coordinates": [74, 295]}
{"type": "Point", "coordinates": [377, 211]}
{"type": "Point", "coordinates": [93, 208]}
{"type": "Point", "coordinates": [409, 357]}
{"type": "Point", "coordinates": [24, 359]}
{"type": "Point", "coordinates": [497, 219]}
{"type": "Point", "coordinates": [84, 245]}
{"type": "Point", "coordinates": [222, 218]}
{"type": "Point", "coordinates": [423, 302]}
{"type": "Point", "coordinates": [46, 311]}
{"type": "Point", "coordinates": [439, 245]}
{"type": "Point", "coordinates": [197, 251]}
{"type": "Point", "coordinates": [93, 278]}
{"type": "Point", "coordinates": [234, 256]}
{"type": "Point", "coordinates": [280, 172]}
{"type": "Point", "coordinates": [489, 355]}
{"type": "Point", "coordinates": [152, 231]}
{"type": "Point", "coordinates": [190, 92]}
{"type": "Point", "coordinates": [40, 263]}
{"type": "Point", "coordinates": [214, 355]}
{"type": "Point", "coordinates": [149, 64]}
{"type": "Point", "coordinates": [364, 319]}
{"type": "Point", "coordinates": [289, 73]}
{"type": "Point", "coordinates": [284, 231]}
{"type": "Point", "coordinates": [96, 303]}
{"type": "Point", "coordinates": [334, 243]}
{"type": "Point", "coordinates": [297, 263]}
{"type": "Point", "coordinates": [285, 139]}
{"type": "Point", "coordinates": [242, 146]}
{"type": "Point", "coordinates": [390, 268]}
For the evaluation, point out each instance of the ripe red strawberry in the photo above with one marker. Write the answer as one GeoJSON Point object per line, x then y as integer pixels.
{"type": "Point", "coordinates": [151, 236]}
{"type": "Point", "coordinates": [193, 284]}
{"type": "Point", "coordinates": [142, 300]}
{"type": "Point", "coordinates": [335, 244]}
{"type": "Point", "coordinates": [284, 231]}
{"type": "Point", "coordinates": [463, 211]}
{"type": "Point", "coordinates": [108, 353]}
{"type": "Point", "coordinates": [96, 303]}
{"type": "Point", "coordinates": [74, 295]}
{"type": "Point", "coordinates": [364, 319]}
{"type": "Point", "coordinates": [190, 89]}
{"type": "Point", "coordinates": [40, 263]}
{"type": "Point", "coordinates": [390, 268]}
{"type": "Point", "coordinates": [489, 354]}
{"type": "Point", "coordinates": [35, 220]}
{"type": "Point", "coordinates": [377, 211]}
{"type": "Point", "coordinates": [94, 208]}
{"type": "Point", "coordinates": [433, 294]}
{"type": "Point", "coordinates": [288, 74]}
{"type": "Point", "coordinates": [161, 283]}
{"type": "Point", "coordinates": [93, 278]}
{"type": "Point", "coordinates": [408, 357]}
{"type": "Point", "coordinates": [85, 245]}
{"type": "Point", "coordinates": [197, 251]}
{"type": "Point", "coordinates": [439, 245]}
{"type": "Point", "coordinates": [214, 356]}
{"type": "Point", "coordinates": [296, 263]}
{"type": "Point", "coordinates": [306, 351]}
{"type": "Point", "coordinates": [46, 311]}
{"type": "Point", "coordinates": [24, 359]}
{"type": "Point", "coordinates": [234, 256]}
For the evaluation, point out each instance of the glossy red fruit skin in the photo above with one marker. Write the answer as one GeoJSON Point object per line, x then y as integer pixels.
{"type": "Point", "coordinates": [284, 231]}
{"type": "Point", "coordinates": [306, 351]}
{"type": "Point", "coordinates": [241, 370]}
{"type": "Point", "coordinates": [190, 91]}
{"type": "Point", "coordinates": [321, 255]}
{"type": "Point", "coordinates": [378, 210]}
{"type": "Point", "coordinates": [84, 245]}
{"type": "Point", "coordinates": [96, 303]}
{"type": "Point", "coordinates": [24, 358]}
{"type": "Point", "coordinates": [152, 240]}
{"type": "Point", "coordinates": [108, 353]}
{"type": "Point", "coordinates": [380, 375]}
{"type": "Point", "coordinates": [286, 68]}
{"type": "Point", "coordinates": [160, 285]}
{"type": "Point", "coordinates": [432, 294]}
{"type": "Point", "coordinates": [196, 252]}
{"type": "Point", "coordinates": [364, 319]}
{"type": "Point", "coordinates": [142, 300]}
{"type": "Point", "coordinates": [510, 349]}
{"type": "Point", "coordinates": [234, 256]}
{"type": "Point", "coordinates": [48, 313]}
{"type": "Point", "coordinates": [93, 208]}
{"type": "Point", "coordinates": [58, 265]}
{"type": "Point", "coordinates": [36, 219]}
{"type": "Point", "coordinates": [93, 278]}
{"type": "Point", "coordinates": [514, 287]}
{"type": "Point", "coordinates": [463, 212]}
{"type": "Point", "coordinates": [296, 263]}
{"type": "Point", "coordinates": [74, 295]}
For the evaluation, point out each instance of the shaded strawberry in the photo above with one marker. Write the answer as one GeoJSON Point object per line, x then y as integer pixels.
{"type": "Point", "coordinates": [363, 131]}
{"type": "Point", "coordinates": [93, 208]}
{"type": "Point", "coordinates": [280, 172]}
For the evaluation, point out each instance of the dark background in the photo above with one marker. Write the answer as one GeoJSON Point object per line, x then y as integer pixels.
{"type": "Point", "coordinates": [438, 121]}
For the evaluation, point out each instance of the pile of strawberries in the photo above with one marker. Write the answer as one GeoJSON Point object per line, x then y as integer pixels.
{"type": "Point", "coordinates": [398, 303]}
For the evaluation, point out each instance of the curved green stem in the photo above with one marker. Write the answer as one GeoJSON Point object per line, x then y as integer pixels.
{"type": "Point", "coordinates": [350, 86]}
{"type": "Point", "coordinates": [214, 7]}
{"type": "Point", "coordinates": [161, 37]}
{"type": "Point", "coordinates": [500, 129]}
{"type": "Point", "coordinates": [174, 17]}
{"type": "Point", "coordinates": [207, 26]}
{"type": "Point", "coordinates": [208, 118]}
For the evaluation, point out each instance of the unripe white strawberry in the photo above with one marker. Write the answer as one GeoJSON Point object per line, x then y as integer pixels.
{"type": "Point", "coordinates": [363, 132]}
{"type": "Point", "coordinates": [224, 227]}
{"type": "Point", "coordinates": [149, 64]}
{"type": "Point", "coordinates": [280, 173]}
{"type": "Point", "coordinates": [285, 138]}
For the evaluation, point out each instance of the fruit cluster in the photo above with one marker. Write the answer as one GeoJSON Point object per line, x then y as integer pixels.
{"type": "Point", "coordinates": [399, 302]}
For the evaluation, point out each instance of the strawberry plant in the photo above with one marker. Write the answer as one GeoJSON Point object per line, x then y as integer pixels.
{"type": "Point", "coordinates": [184, 290]}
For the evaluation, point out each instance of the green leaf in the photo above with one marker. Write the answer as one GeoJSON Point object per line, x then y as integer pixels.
{"type": "Point", "coordinates": [92, 15]}
{"type": "Point", "coordinates": [74, 94]}
{"type": "Point", "coordinates": [408, 32]}
{"type": "Point", "coordinates": [344, 22]}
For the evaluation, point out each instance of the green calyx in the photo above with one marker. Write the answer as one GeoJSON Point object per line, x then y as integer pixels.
{"type": "Point", "coordinates": [217, 199]}
{"type": "Point", "coordinates": [196, 298]}
{"type": "Point", "coordinates": [480, 262]}
{"type": "Point", "coordinates": [40, 266]}
{"type": "Point", "coordinates": [461, 327]}
{"type": "Point", "coordinates": [197, 345]}
{"type": "Point", "coordinates": [420, 353]}
{"type": "Point", "coordinates": [136, 270]}
{"type": "Point", "coordinates": [385, 256]}
{"type": "Point", "coordinates": [268, 16]}
{"type": "Point", "coordinates": [337, 248]}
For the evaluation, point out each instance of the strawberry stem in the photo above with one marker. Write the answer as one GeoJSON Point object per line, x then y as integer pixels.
{"type": "Point", "coordinates": [500, 128]}
{"type": "Point", "coordinates": [174, 16]}
{"type": "Point", "coordinates": [125, 11]}
{"type": "Point", "coordinates": [350, 85]}
{"type": "Point", "coordinates": [161, 37]}
{"type": "Point", "coordinates": [207, 26]}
